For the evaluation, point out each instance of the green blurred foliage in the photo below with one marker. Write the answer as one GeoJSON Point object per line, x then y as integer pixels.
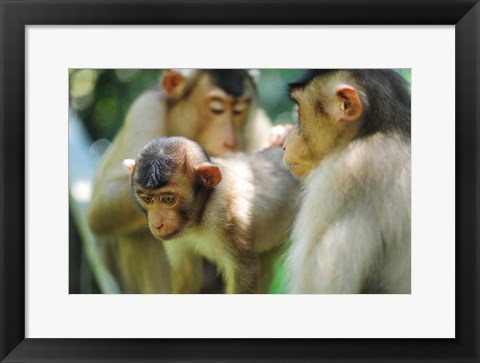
{"type": "Point", "coordinates": [272, 90]}
{"type": "Point", "coordinates": [406, 73]}
{"type": "Point", "coordinates": [279, 282]}
{"type": "Point", "coordinates": [101, 97]}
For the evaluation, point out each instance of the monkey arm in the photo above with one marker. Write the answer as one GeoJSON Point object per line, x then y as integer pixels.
{"type": "Point", "coordinates": [186, 268]}
{"type": "Point", "coordinates": [242, 277]}
{"type": "Point", "coordinates": [112, 210]}
{"type": "Point", "coordinates": [141, 263]}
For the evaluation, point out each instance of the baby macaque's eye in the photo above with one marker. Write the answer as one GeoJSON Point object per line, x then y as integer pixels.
{"type": "Point", "coordinates": [168, 199]}
{"type": "Point", "coordinates": [148, 199]}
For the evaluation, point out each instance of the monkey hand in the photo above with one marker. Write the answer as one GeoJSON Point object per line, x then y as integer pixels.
{"type": "Point", "coordinates": [278, 134]}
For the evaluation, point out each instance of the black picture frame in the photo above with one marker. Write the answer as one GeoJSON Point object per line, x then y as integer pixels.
{"type": "Point", "coordinates": [15, 15]}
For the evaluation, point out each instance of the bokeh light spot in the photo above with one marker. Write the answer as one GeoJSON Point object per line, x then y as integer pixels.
{"type": "Point", "coordinates": [105, 111]}
{"type": "Point", "coordinates": [126, 75]}
{"type": "Point", "coordinates": [83, 82]}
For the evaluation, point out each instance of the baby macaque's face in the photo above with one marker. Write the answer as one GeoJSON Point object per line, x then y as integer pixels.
{"type": "Point", "coordinates": [170, 180]}
{"type": "Point", "coordinates": [168, 208]}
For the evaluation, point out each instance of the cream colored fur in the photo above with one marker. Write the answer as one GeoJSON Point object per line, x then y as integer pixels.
{"type": "Point", "coordinates": [352, 233]}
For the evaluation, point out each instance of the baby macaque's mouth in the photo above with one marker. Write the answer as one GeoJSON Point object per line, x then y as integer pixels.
{"type": "Point", "coordinates": [168, 236]}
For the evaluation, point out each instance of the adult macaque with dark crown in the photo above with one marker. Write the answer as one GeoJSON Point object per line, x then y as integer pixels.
{"type": "Point", "coordinates": [351, 148]}
{"type": "Point", "coordinates": [217, 108]}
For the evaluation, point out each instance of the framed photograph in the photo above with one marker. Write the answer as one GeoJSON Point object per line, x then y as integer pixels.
{"type": "Point", "coordinates": [45, 45]}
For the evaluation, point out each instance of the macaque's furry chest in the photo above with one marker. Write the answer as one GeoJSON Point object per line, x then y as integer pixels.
{"type": "Point", "coordinates": [208, 245]}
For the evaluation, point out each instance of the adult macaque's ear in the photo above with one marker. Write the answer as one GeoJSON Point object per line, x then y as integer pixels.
{"type": "Point", "coordinates": [173, 82]}
{"type": "Point", "coordinates": [209, 174]}
{"type": "Point", "coordinates": [350, 105]}
{"type": "Point", "coordinates": [130, 164]}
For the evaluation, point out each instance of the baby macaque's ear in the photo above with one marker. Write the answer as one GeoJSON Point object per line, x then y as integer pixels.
{"type": "Point", "coordinates": [130, 164]}
{"type": "Point", "coordinates": [209, 174]}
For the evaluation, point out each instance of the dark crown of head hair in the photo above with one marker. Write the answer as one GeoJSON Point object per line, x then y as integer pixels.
{"type": "Point", "coordinates": [231, 81]}
{"type": "Point", "coordinates": [157, 162]}
{"type": "Point", "coordinates": [160, 159]}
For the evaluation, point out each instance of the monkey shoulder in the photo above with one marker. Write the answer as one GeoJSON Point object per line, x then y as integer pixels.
{"type": "Point", "coordinates": [261, 175]}
{"type": "Point", "coordinates": [145, 119]}
{"type": "Point", "coordinates": [234, 195]}
{"type": "Point", "coordinates": [262, 194]}
{"type": "Point", "coordinates": [373, 163]}
{"type": "Point", "coordinates": [269, 169]}
{"type": "Point", "coordinates": [371, 177]}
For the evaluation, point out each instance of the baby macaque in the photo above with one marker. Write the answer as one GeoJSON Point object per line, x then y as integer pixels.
{"type": "Point", "coordinates": [228, 210]}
